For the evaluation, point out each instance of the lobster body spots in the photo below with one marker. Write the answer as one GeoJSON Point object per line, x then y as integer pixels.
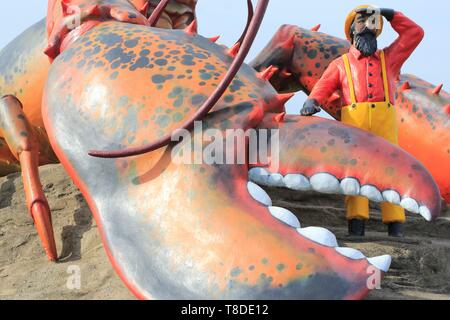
{"type": "Point", "coordinates": [157, 77]}
{"type": "Point", "coordinates": [306, 54]}
{"type": "Point", "coordinates": [24, 69]}
{"type": "Point", "coordinates": [23, 72]}
{"type": "Point", "coordinates": [184, 219]}
{"type": "Point", "coordinates": [420, 110]}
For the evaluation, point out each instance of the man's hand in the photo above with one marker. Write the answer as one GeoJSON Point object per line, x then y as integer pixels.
{"type": "Point", "coordinates": [385, 12]}
{"type": "Point", "coordinates": [310, 107]}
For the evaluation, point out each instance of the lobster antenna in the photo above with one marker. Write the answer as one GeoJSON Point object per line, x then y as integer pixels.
{"type": "Point", "coordinates": [249, 38]}
{"type": "Point", "coordinates": [156, 14]}
{"type": "Point", "coordinates": [249, 20]}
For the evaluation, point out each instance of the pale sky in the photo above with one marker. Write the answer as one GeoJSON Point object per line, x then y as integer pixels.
{"type": "Point", "coordinates": [227, 18]}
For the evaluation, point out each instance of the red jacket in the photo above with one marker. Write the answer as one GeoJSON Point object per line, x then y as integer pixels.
{"type": "Point", "coordinates": [366, 71]}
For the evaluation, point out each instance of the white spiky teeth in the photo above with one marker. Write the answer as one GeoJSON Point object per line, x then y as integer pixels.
{"type": "Point", "coordinates": [391, 196]}
{"type": "Point", "coordinates": [285, 216]}
{"type": "Point", "coordinates": [381, 262]}
{"type": "Point", "coordinates": [297, 182]}
{"type": "Point", "coordinates": [371, 193]}
{"type": "Point", "coordinates": [425, 212]}
{"type": "Point", "coordinates": [350, 187]}
{"type": "Point", "coordinates": [410, 205]}
{"type": "Point", "coordinates": [327, 183]}
{"type": "Point", "coordinates": [259, 194]}
{"type": "Point", "coordinates": [350, 253]}
{"type": "Point", "coordinates": [318, 235]}
{"type": "Point", "coordinates": [259, 175]}
{"type": "Point", "coordinates": [276, 180]}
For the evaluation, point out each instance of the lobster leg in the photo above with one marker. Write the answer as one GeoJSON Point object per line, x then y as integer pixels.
{"type": "Point", "coordinates": [23, 144]}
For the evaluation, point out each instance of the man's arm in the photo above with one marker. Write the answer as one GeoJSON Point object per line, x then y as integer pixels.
{"type": "Point", "coordinates": [410, 36]}
{"type": "Point", "coordinates": [324, 88]}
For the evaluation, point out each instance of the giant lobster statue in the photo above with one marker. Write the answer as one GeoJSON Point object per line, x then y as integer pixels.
{"type": "Point", "coordinates": [105, 99]}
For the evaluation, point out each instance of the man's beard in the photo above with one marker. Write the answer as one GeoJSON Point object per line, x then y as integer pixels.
{"type": "Point", "coordinates": [366, 42]}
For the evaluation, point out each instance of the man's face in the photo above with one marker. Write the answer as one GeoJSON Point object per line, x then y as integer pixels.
{"type": "Point", "coordinates": [365, 38]}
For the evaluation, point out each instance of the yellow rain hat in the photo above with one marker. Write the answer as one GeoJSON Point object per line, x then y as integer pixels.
{"type": "Point", "coordinates": [351, 17]}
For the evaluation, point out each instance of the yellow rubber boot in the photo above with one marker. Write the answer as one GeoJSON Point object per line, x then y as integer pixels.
{"type": "Point", "coordinates": [357, 208]}
{"type": "Point", "coordinates": [392, 213]}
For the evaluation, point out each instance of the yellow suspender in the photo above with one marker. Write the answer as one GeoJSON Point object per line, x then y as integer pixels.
{"type": "Point", "coordinates": [350, 78]}
{"type": "Point", "coordinates": [385, 79]}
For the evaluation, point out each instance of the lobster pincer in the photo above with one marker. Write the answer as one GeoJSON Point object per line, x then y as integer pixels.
{"type": "Point", "coordinates": [23, 142]}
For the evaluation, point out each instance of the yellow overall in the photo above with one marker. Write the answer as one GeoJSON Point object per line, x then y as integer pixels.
{"type": "Point", "coordinates": [380, 119]}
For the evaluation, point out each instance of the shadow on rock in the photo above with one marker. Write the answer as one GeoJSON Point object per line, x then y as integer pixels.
{"type": "Point", "coordinates": [72, 235]}
{"type": "Point", "coordinates": [7, 190]}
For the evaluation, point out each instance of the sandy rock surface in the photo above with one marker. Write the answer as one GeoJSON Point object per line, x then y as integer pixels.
{"type": "Point", "coordinates": [420, 268]}
{"type": "Point", "coordinates": [25, 272]}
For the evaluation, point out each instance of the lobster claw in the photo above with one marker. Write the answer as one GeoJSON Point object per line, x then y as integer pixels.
{"type": "Point", "coordinates": [37, 203]}
{"type": "Point", "coordinates": [23, 143]}
{"type": "Point", "coordinates": [43, 223]}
